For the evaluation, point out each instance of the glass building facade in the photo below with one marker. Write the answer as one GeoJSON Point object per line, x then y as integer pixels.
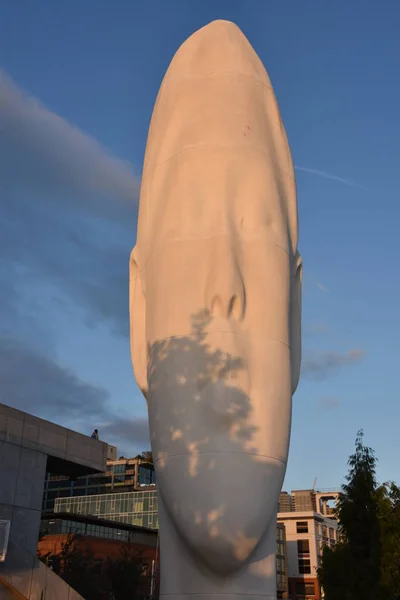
{"type": "Point", "coordinates": [136, 508]}
{"type": "Point", "coordinates": [66, 526]}
{"type": "Point", "coordinates": [281, 571]}
{"type": "Point", "coordinates": [141, 508]}
{"type": "Point", "coordinates": [123, 475]}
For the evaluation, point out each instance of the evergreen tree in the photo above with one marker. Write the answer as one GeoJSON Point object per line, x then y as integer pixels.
{"type": "Point", "coordinates": [352, 570]}
{"type": "Point", "coordinates": [388, 496]}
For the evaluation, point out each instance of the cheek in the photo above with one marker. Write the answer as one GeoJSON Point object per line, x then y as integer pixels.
{"type": "Point", "coordinates": [175, 290]}
{"type": "Point", "coordinates": [267, 290]}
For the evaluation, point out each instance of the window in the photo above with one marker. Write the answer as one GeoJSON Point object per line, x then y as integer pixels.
{"type": "Point", "coordinates": [303, 548]}
{"type": "Point", "coordinates": [304, 566]}
{"type": "Point", "coordinates": [302, 527]}
{"type": "Point", "coordinates": [118, 469]}
{"type": "Point", "coordinates": [53, 485]}
{"type": "Point", "coordinates": [305, 589]}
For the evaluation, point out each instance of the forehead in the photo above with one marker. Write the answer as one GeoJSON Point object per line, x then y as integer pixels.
{"type": "Point", "coordinates": [217, 156]}
{"type": "Point", "coordinates": [210, 192]}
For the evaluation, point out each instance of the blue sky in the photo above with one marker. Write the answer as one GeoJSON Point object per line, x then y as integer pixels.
{"type": "Point", "coordinates": [77, 88]}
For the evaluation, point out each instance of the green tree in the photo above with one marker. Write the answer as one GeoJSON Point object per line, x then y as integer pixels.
{"type": "Point", "coordinates": [333, 573]}
{"type": "Point", "coordinates": [146, 455]}
{"type": "Point", "coordinates": [352, 570]}
{"type": "Point", "coordinates": [127, 575]}
{"type": "Point", "coordinates": [388, 497]}
{"type": "Point", "coordinates": [76, 566]}
{"type": "Point", "coordinates": [123, 578]}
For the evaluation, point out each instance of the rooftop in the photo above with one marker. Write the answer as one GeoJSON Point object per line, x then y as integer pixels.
{"type": "Point", "coordinates": [68, 452]}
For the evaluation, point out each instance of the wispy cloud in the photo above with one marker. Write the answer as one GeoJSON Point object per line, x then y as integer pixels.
{"type": "Point", "coordinates": [316, 328]}
{"type": "Point", "coordinates": [68, 213]}
{"type": "Point", "coordinates": [315, 282]}
{"type": "Point", "coordinates": [321, 286]}
{"type": "Point", "coordinates": [326, 175]}
{"type": "Point", "coordinates": [324, 364]}
{"type": "Point", "coordinates": [34, 383]}
{"type": "Point", "coordinates": [330, 402]}
{"type": "Point", "coordinates": [68, 208]}
{"type": "Point", "coordinates": [128, 433]}
{"type": "Point", "coordinates": [42, 150]}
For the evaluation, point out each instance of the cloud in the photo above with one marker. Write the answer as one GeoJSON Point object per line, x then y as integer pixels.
{"type": "Point", "coordinates": [321, 287]}
{"type": "Point", "coordinates": [330, 402]}
{"type": "Point", "coordinates": [310, 279]}
{"type": "Point", "coordinates": [68, 219]}
{"type": "Point", "coordinates": [129, 433]}
{"type": "Point", "coordinates": [326, 175]}
{"type": "Point", "coordinates": [325, 364]}
{"type": "Point", "coordinates": [42, 150]}
{"type": "Point", "coordinates": [68, 211]}
{"type": "Point", "coordinates": [36, 384]}
{"type": "Point", "coordinates": [316, 328]}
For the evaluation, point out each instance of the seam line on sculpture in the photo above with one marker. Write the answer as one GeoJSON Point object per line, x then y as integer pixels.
{"type": "Point", "coordinates": [196, 239]}
{"type": "Point", "coordinates": [257, 81]}
{"type": "Point", "coordinates": [183, 335]}
{"type": "Point", "coordinates": [279, 460]}
{"type": "Point", "coordinates": [235, 146]}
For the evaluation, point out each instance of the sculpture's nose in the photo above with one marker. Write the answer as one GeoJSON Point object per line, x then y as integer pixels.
{"type": "Point", "coordinates": [225, 291]}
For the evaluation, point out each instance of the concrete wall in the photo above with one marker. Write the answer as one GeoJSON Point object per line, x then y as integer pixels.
{"type": "Point", "coordinates": [27, 446]}
{"type": "Point", "coordinates": [35, 582]}
{"type": "Point", "coordinates": [22, 473]}
{"type": "Point", "coordinates": [64, 447]}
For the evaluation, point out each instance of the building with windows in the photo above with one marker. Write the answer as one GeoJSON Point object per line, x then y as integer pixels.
{"type": "Point", "coordinates": [29, 448]}
{"type": "Point", "coordinates": [55, 529]}
{"type": "Point", "coordinates": [326, 501]}
{"type": "Point", "coordinates": [281, 570]}
{"type": "Point", "coordinates": [103, 540]}
{"type": "Point", "coordinates": [140, 508]}
{"type": "Point", "coordinates": [122, 475]}
{"type": "Point", "coordinates": [304, 500]}
{"type": "Point", "coordinates": [307, 533]}
{"type": "Point", "coordinates": [322, 501]}
{"type": "Point", "coordinates": [285, 502]}
{"type": "Point", "coordinates": [135, 508]}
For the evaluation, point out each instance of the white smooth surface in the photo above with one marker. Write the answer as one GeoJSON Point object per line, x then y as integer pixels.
{"type": "Point", "coordinates": [215, 304]}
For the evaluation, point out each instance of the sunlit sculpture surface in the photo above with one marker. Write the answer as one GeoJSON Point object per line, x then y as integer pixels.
{"type": "Point", "coordinates": [215, 304]}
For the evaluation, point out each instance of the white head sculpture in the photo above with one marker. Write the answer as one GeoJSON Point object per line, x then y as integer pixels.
{"type": "Point", "coordinates": [215, 304]}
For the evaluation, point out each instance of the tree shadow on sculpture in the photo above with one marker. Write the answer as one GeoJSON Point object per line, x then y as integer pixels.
{"type": "Point", "coordinates": [213, 484]}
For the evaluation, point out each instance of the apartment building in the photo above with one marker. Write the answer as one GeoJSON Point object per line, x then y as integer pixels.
{"type": "Point", "coordinates": [321, 501]}
{"type": "Point", "coordinates": [307, 532]}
